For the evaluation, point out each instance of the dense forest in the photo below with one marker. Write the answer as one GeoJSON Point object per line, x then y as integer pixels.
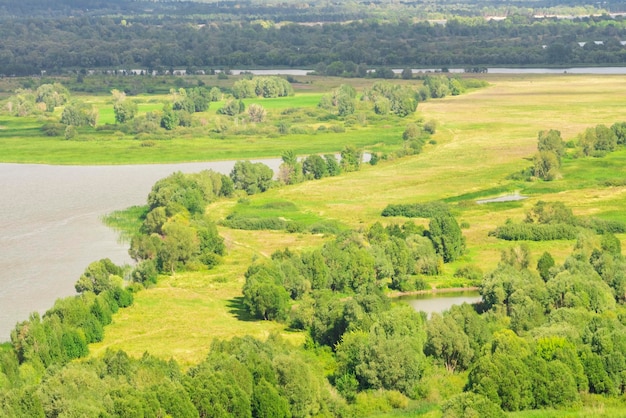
{"type": "Point", "coordinates": [151, 42]}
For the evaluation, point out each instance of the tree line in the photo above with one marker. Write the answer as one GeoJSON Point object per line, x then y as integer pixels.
{"type": "Point", "coordinates": [87, 43]}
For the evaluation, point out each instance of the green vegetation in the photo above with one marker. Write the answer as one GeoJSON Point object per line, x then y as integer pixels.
{"type": "Point", "coordinates": [303, 322]}
{"type": "Point", "coordinates": [182, 126]}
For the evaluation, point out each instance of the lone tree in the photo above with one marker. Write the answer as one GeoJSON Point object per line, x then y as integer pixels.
{"type": "Point", "coordinates": [124, 109]}
{"type": "Point", "coordinates": [447, 238]}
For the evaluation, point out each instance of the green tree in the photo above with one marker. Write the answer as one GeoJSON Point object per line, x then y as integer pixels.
{"type": "Point", "coordinates": [468, 404]}
{"type": "Point", "coordinates": [314, 166]}
{"type": "Point", "coordinates": [98, 277]}
{"type": "Point", "coordinates": [232, 107]}
{"type": "Point", "coordinates": [77, 113]}
{"type": "Point", "coordinates": [544, 264]}
{"type": "Point", "coordinates": [447, 341]}
{"type": "Point", "coordinates": [332, 166]}
{"type": "Point", "coordinates": [169, 119]}
{"type": "Point", "coordinates": [550, 140]}
{"type": "Point", "coordinates": [125, 110]}
{"type": "Point", "coordinates": [179, 246]}
{"type": "Point", "coordinates": [251, 177]}
{"type": "Point", "coordinates": [546, 165]}
{"type": "Point", "coordinates": [350, 158]}
{"type": "Point", "coordinates": [446, 235]}
{"type": "Point", "coordinates": [52, 95]}
{"type": "Point", "coordinates": [267, 402]}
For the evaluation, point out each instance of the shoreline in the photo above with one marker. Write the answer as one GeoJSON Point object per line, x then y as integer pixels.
{"type": "Point", "coordinates": [433, 291]}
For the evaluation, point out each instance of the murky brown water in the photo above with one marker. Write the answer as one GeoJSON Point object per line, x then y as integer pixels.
{"type": "Point", "coordinates": [50, 227]}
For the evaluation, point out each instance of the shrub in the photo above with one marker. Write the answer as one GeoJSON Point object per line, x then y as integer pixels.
{"type": "Point", "coordinates": [535, 232]}
{"type": "Point", "coordinates": [417, 210]}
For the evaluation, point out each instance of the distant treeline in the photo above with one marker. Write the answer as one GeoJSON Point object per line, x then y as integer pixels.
{"type": "Point", "coordinates": [147, 43]}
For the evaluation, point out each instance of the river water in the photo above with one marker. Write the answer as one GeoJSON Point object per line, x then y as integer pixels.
{"type": "Point", "coordinates": [51, 229]}
{"type": "Point", "coordinates": [490, 70]}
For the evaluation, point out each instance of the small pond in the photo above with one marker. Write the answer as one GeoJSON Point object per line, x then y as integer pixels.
{"type": "Point", "coordinates": [440, 302]}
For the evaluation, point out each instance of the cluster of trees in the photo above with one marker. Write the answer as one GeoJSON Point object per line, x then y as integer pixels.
{"type": "Point", "coordinates": [162, 44]}
{"type": "Point", "coordinates": [393, 98]}
{"type": "Point", "coordinates": [539, 339]}
{"type": "Point", "coordinates": [176, 233]}
{"type": "Point", "coordinates": [267, 87]}
{"type": "Point", "coordinates": [548, 221]}
{"type": "Point", "coordinates": [341, 101]}
{"type": "Point", "coordinates": [599, 140]}
{"type": "Point", "coordinates": [26, 102]}
{"type": "Point", "coordinates": [293, 170]}
{"type": "Point", "coordinates": [252, 177]}
{"type": "Point", "coordinates": [353, 264]}
{"type": "Point", "coordinates": [560, 342]}
{"type": "Point", "coordinates": [444, 231]}
{"type": "Point", "coordinates": [63, 332]}
{"type": "Point", "coordinates": [184, 103]}
{"type": "Point", "coordinates": [551, 149]}
{"type": "Point", "coordinates": [242, 377]}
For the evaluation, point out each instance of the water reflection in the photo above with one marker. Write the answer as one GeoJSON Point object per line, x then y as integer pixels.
{"type": "Point", "coordinates": [439, 302]}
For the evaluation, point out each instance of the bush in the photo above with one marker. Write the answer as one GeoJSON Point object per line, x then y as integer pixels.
{"type": "Point", "coordinates": [53, 129]}
{"type": "Point", "coordinates": [535, 232]}
{"type": "Point", "coordinates": [235, 221]}
{"type": "Point", "coordinates": [470, 272]}
{"type": "Point", "coordinates": [417, 210]}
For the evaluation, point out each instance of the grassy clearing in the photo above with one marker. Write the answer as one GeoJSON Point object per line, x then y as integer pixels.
{"type": "Point", "coordinates": [184, 313]}
{"type": "Point", "coordinates": [482, 138]}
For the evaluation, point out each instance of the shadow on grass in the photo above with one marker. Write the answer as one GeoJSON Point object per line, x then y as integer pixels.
{"type": "Point", "coordinates": [236, 307]}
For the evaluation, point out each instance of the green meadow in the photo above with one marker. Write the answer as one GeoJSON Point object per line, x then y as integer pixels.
{"type": "Point", "coordinates": [482, 138]}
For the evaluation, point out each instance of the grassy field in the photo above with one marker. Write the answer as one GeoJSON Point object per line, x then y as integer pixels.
{"type": "Point", "coordinates": [22, 141]}
{"type": "Point", "coordinates": [482, 138]}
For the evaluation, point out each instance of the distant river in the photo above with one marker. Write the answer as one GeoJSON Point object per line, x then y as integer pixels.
{"type": "Point", "coordinates": [490, 70]}
{"type": "Point", "coordinates": [51, 229]}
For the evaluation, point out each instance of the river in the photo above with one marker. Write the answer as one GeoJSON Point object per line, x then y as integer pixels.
{"type": "Point", "coordinates": [490, 70]}
{"type": "Point", "coordinates": [51, 229]}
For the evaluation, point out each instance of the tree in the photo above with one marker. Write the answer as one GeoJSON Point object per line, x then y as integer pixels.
{"type": "Point", "coordinates": [332, 166]}
{"type": "Point", "coordinates": [314, 166]}
{"type": "Point", "coordinates": [251, 177]}
{"type": "Point", "coordinates": [52, 95]}
{"type": "Point", "coordinates": [468, 404]}
{"type": "Point", "coordinates": [78, 113]}
{"type": "Point", "coordinates": [256, 113]}
{"type": "Point", "coordinates": [267, 402]}
{"type": "Point", "coordinates": [169, 120]}
{"type": "Point", "coordinates": [124, 109]}
{"type": "Point", "coordinates": [448, 342]}
{"type": "Point", "coordinates": [446, 235]}
{"type": "Point", "coordinates": [232, 107]}
{"type": "Point", "coordinates": [98, 276]}
{"type": "Point", "coordinates": [179, 246]}
{"type": "Point", "coordinates": [264, 295]}
{"type": "Point", "coordinates": [544, 264]}
{"type": "Point", "coordinates": [350, 158]}
{"type": "Point", "coordinates": [546, 165]}
{"type": "Point", "coordinates": [550, 140]}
